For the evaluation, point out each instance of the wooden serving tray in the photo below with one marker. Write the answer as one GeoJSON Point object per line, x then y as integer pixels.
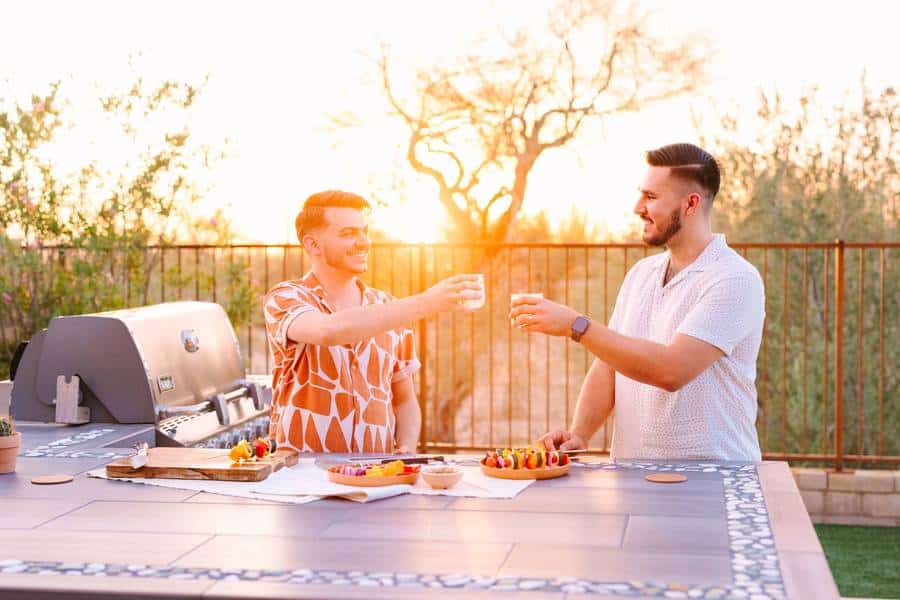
{"type": "Point", "coordinates": [366, 481]}
{"type": "Point", "coordinates": [541, 473]}
{"type": "Point", "coordinates": [200, 463]}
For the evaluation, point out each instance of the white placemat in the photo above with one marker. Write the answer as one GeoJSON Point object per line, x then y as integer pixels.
{"type": "Point", "coordinates": [306, 482]}
{"type": "Point", "coordinates": [309, 480]}
{"type": "Point", "coordinates": [224, 488]}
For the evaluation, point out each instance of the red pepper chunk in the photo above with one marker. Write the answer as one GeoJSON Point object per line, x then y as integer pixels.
{"type": "Point", "coordinates": [260, 448]}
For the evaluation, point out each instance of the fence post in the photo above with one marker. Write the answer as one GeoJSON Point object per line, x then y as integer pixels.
{"type": "Point", "coordinates": [423, 356]}
{"type": "Point", "coordinates": [839, 355]}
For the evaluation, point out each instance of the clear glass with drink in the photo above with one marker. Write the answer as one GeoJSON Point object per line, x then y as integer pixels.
{"type": "Point", "coordinates": [517, 296]}
{"type": "Point", "coordinates": [476, 304]}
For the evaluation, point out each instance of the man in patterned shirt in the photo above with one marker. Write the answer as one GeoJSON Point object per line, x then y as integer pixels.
{"type": "Point", "coordinates": [344, 355]}
{"type": "Point", "coordinates": [678, 359]}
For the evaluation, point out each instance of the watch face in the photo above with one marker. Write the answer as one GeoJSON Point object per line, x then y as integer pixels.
{"type": "Point", "coordinates": [580, 325]}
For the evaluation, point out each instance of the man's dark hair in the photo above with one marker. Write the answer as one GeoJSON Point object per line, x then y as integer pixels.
{"type": "Point", "coordinates": [690, 163]}
{"type": "Point", "coordinates": [313, 213]}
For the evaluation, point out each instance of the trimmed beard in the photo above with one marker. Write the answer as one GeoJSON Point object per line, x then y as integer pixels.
{"type": "Point", "coordinates": [673, 228]}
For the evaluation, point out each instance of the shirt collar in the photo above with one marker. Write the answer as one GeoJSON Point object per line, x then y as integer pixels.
{"type": "Point", "coordinates": [312, 283]}
{"type": "Point", "coordinates": [709, 255]}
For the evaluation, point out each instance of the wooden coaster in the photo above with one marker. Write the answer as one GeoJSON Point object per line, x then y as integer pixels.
{"type": "Point", "coordinates": [51, 479]}
{"type": "Point", "coordinates": [666, 477]}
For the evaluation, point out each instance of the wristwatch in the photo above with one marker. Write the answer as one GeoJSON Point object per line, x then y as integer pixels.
{"type": "Point", "coordinates": [580, 327]}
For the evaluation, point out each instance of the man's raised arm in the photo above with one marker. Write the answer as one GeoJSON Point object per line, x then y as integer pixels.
{"type": "Point", "coordinates": [354, 324]}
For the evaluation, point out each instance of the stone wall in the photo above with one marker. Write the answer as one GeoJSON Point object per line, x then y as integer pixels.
{"type": "Point", "coordinates": [860, 497]}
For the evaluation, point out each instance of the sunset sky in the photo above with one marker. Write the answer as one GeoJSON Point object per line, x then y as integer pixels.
{"type": "Point", "coordinates": [276, 70]}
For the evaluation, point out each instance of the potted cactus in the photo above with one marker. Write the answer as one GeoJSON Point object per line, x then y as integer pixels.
{"type": "Point", "coordinates": [10, 440]}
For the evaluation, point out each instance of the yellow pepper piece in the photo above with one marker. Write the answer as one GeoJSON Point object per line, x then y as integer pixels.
{"type": "Point", "coordinates": [393, 468]}
{"type": "Point", "coordinates": [375, 472]}
{"type": "Point", "coordinates": [240, 452]}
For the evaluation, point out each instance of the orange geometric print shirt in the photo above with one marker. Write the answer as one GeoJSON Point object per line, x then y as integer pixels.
{"type": "Point", "coordinates": [333, 398]}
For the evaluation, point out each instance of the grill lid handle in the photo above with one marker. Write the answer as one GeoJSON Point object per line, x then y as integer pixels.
{"type": "Point", "coordinates": [185, 409]}
{"type": "Point", "coordinates": [219, 403]}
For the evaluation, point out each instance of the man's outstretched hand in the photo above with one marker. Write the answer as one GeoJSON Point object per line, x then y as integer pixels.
{"type": "Point", "coordinates": [539, 315]}
{"type": "Point", "coordinates": [450, 294]}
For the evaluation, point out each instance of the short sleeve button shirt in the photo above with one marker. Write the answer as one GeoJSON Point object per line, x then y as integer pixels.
{"type": "Point", "coordinates": [719, 299]}
{"type": "Point", "coordinates": [333, 398]}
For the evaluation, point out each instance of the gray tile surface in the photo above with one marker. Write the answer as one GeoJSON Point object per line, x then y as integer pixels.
{"type": "Point", "coordinates": [29, 467]}
{"type": "Point", "coordinates": [611, 564]}
{"type": "Point", "coordinates": [18, 485]}
{"type": "Point", "coordinates": [97, 546]}
{"type": "Point", "coordinates": [281, 591]}
{"type": "Point", "coordinates": [236, 519]}
{"type": "Point", "coordinates": [41, 434]}
{"type": "Point", "coordinates": [366, 555]}
{"type": "Point", "coordinates": [691, 535]}
{"type": "Point", "coordinates": [24, 514]}
{"type": "Point", "coordinates": [697, 483]}
{"type": "Point", "coordinates": [468, 526]}
{"type": "Point", "coordinates": [598, 501]}
{"type": "Point", "coordinates": [207, 498]}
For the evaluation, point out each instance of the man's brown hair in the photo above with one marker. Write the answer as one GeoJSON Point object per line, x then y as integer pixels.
{"type": "Point", "coordinates": [689, 163]}
{"type": "Point", "coordinates": [312, 214]}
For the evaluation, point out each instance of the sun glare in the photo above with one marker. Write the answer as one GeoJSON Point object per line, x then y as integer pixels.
{"type": "Point", "coordinates": [280, 147]}
{"type": "Point", "coordinates": [413, 221]}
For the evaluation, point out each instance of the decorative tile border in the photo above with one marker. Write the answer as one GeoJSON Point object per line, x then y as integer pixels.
{"type": "Point", "coordinates": [754, 558]}
{"type": "Point", "coordinates": [388, 580]}
{"type": "Point", "coordinates": [57, 448]}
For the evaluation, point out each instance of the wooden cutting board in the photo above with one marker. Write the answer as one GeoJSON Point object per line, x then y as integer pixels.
{"type": "Point", "coordinates": [200, 463]}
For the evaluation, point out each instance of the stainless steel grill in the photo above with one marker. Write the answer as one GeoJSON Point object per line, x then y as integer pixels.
{"type": "Point", "coordinates": [176, 365]}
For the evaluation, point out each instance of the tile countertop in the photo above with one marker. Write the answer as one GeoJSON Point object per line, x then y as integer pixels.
{"type": "Point", "coordinates": [731, 530]}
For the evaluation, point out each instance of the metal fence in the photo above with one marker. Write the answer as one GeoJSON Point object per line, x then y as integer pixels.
{"type": "Point", "coordinates": [827, 372]}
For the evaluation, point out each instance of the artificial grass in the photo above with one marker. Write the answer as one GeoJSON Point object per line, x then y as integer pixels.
{"type": "Point", "coordinates": [865, 561]}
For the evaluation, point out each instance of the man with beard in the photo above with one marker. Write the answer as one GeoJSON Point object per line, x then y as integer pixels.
{"type": "Point", "coordinates": [344, 355]}
{"type": "Point", "coordinates": [678, 359]}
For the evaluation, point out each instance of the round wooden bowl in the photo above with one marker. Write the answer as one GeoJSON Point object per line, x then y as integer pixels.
{"type": "Point", "coordinates": [442, 480]}
{"type": "Point", "coordinates": [366, 481]}
{"type": "Point", "coordinates": [541, 473]}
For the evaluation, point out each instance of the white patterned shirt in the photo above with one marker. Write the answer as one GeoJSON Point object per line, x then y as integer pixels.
{"type": "Point", "coordinates": [719, 299]}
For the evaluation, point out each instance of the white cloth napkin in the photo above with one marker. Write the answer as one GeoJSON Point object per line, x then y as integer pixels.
{"type": "Point", "coordinates": [225, 488]}
{"type": "Point", "coordinates": [309, 480]}
{"type": "Point", "coordinates": [306, 482]}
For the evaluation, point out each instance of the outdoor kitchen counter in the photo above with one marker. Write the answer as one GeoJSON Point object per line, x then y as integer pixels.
{"type": "Point", "coordinates": [730, 530]}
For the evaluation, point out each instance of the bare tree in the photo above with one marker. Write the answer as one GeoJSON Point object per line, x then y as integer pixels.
{"type": "Point", "coordinates": [478, 125]}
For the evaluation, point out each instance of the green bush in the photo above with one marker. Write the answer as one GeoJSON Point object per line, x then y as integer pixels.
{"type": "Point", "coordinates": [94, 237]}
